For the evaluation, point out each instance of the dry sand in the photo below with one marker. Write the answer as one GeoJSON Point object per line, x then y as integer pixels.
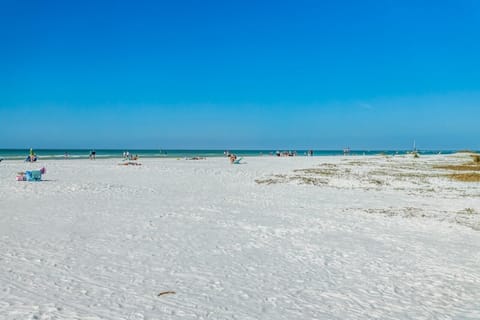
{"type": "Point", "coordinates": [275, 238]}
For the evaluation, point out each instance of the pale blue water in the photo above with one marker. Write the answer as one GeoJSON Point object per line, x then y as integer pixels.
{"type": "Point", "coordinates": [21, 154]}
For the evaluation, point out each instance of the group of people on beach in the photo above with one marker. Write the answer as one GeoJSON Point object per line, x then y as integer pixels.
{"type": "Point", "coordinates": [232, 157]}
{"type": "Point", "coordinates": [286, 153]}
{"type": "Point", "coordinates": [128, 156]}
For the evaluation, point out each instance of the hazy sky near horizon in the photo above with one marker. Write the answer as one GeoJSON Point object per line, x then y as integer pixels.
{"type": "Point", "coordinates": [240, 74]}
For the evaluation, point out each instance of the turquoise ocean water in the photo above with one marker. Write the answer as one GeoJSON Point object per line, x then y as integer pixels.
{"type": "Point", "coordinates": [21, 154]}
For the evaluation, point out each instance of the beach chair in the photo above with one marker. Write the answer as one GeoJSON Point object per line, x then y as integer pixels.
{"type": "Point", "coordinates": [238, 161]}
{"type": "Point", "coordinates": [34, 175]}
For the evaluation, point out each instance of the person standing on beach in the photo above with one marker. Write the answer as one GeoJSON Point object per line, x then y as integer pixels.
{"type": "Point", "coordinates": [32, 157]}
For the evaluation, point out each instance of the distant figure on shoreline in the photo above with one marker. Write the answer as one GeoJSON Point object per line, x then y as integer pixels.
{"type": "Point", "coordinates": [92, 155]}
{"type": "Point", "coordinates": [65, 155]}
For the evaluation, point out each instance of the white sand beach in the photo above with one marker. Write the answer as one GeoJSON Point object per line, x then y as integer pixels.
{"type": "Point", "coordinates": [359, 237]}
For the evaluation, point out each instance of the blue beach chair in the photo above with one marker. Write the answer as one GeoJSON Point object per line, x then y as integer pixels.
{"type": "Point", "coordinates": [238, 161]}
{"type": "Point", "coordinates": [34, 175]}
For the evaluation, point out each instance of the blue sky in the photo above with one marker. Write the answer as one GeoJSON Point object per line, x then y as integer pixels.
{"type": "Point", "coordinates": [240, 74]}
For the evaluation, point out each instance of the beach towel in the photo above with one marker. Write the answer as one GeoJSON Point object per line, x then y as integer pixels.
{"type": "Point", "coordinates": [130, 163]}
